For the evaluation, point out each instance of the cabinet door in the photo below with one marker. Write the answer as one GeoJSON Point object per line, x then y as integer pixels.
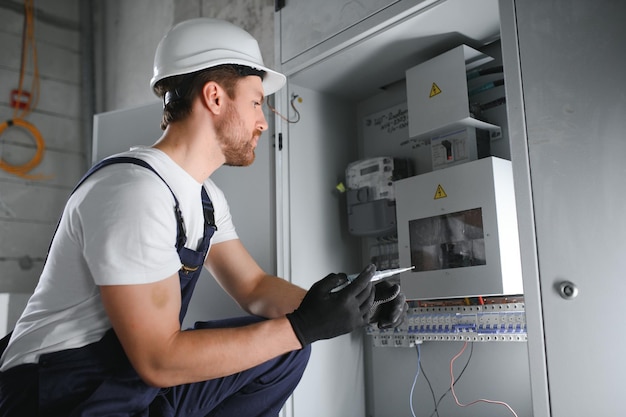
{"type": "Point", "coordinates": [306, 23]}
{"type": "Point", "coordinates": [313, 159]}
{"type": "Point", "coordinates": [573, 85]}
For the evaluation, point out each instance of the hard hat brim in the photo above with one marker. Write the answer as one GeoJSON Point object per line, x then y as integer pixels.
{"type": "Point", "coordinates": [272, 82]}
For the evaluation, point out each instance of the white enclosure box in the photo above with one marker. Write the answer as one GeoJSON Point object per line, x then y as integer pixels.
{"type": "Point", "coordinates": [437, 93]}
{"type": "Point", "coordinates": [458, 228]}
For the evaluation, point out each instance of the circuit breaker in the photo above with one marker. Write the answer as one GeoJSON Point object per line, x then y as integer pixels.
{"type": "Point", "coordinates": [502, 321]}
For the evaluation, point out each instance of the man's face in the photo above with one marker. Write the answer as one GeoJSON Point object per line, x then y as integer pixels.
{"type": "Point", "coordinates": [242, 123]}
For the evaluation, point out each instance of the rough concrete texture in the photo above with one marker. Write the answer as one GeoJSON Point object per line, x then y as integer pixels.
{"type": "Point", "coordinates": [132, 30]}
{"type": "Point", "coordinates": [257, 17]}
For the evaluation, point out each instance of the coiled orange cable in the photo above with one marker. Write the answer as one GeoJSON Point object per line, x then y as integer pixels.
{"type": "Point", "coordinates": [28, 42]}
{"type": "Point", "coordinates": [23, 170]}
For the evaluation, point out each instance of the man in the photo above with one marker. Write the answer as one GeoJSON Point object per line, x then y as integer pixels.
{"type": "Point", "coordinates": [102, 335]}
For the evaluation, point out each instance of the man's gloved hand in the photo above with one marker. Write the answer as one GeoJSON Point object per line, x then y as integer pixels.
{"type": "Point", "coordinates": [324, 314]}
{"type": "Point", "coordinates": [390, 307]}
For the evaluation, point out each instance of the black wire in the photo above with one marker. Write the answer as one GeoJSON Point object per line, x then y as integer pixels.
{"type": "Point", "coordinates": [431, 389]}
{"type": "Point", "coordinates": [495, 103]}
{"type": "Point", "coordinates": [293, 106]}
{"type": "Point", "coordinates": [455, 381]}
{"type": "Point", "coordinates": [485, 71]}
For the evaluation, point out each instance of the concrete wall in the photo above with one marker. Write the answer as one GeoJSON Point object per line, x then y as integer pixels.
{"type": "Point", "coordinates": [126, 36]}
{"type": "Point", "coordinates": [30, 207]}
{"type": "Point", "coordinates": [129, 32]}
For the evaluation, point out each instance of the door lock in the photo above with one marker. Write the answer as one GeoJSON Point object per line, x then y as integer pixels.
{"type": "Point", "coordinates": [568, 290]}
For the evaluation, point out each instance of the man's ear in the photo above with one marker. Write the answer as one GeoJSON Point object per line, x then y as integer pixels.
{"type": "Point", "coordinates": [213, 96]}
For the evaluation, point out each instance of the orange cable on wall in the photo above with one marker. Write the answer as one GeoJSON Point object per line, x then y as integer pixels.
{"type": "Point", "coordinates": [24, 169]}
{"type": "Point", "coordinates": [31, 99]}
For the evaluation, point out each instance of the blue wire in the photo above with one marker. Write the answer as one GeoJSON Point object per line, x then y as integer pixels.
{"type": "Point", "coordinates": [419, 353]}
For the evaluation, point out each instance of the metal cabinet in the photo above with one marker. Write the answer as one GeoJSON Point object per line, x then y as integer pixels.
{"type": "Point", "coordinates": [563, 67]}
{"type": "Point", "coordinates": [326, 84]}
{"type": "Point", "coordinates": [567, 125]}
{"type": "Point", "coordinates": [311, 30]}
{"type": "Point", "coordinates": [305, 24]}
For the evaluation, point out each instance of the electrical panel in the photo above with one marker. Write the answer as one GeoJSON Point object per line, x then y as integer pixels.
{"type": "Point", "coordinates": [498, 322]}
{"type": "Point", "coordinates": [458, 228]}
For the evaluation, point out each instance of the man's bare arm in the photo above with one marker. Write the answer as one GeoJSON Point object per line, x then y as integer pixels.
{"type": "Point", "coordinates": [256, 292]}
{"type": "Point", "coordinates": [145, 319]}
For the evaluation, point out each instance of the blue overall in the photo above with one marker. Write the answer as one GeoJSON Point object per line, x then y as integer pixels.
{"type": "Point", "coordinates": [98, 379]}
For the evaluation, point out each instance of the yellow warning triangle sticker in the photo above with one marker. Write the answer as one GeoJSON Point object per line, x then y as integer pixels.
{"type": "Point", "coordinates": [434, 90]}
{"type": "Point", "coordinates": [440, 193]}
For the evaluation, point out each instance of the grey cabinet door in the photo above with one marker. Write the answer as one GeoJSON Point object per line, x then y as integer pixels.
{"type": "Point", "coordinates": [571, 56]}
{"type": "Point", "coordinates": [316, 154]}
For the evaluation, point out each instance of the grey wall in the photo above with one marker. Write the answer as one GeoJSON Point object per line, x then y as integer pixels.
{"type": "Point", "coordinates": [126, 36]}
{"type": "Point", "coordinates": [128, 33]}
{"type": "Point", "coordinates": [29, 208]}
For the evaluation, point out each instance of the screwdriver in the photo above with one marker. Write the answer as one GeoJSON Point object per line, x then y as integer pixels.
{"type": "Point", "coordinates": [378, 275]}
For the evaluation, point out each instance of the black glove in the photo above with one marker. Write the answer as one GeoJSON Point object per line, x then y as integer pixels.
{"type": "Point", "coordinates": [324, 314]}
{"type": "Point", "coordinates": [390, 307]}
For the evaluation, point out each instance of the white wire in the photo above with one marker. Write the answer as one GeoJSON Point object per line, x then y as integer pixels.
{"type": "Point", "coordinates": [419, 352]}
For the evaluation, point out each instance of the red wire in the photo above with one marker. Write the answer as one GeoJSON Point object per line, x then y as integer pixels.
{"type": "Point", "coordinates": [476, 401]}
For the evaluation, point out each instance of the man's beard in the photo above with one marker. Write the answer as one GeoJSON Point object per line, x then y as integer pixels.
{"type": "Point", "coordinates": [236, 143]}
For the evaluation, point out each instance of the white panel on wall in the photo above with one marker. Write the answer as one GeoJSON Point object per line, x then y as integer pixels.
{"type": "Point", "coordinates": [4, 314]}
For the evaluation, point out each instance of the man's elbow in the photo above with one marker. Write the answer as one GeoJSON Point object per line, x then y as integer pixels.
{"type": "Point", "coordinates": [153, 373]}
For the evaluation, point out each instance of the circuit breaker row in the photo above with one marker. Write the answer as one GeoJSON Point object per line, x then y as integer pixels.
{"type": "Point", "coordinates": [481, 323]}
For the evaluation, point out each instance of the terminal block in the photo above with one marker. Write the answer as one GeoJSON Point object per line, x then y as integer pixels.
{"type": "Point", "coordinates": [480, 323]}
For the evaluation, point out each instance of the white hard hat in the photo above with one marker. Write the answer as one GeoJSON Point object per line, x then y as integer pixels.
{"type": "Point", "coordinates": [202, 43]}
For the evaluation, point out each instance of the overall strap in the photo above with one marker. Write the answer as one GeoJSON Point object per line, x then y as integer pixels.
{"type": "Point", "coordinates": [191, 260]}
{"type": "Point", "coordinates": [209, 219]}
{"type": "Point", "coordinates": [181, 234]}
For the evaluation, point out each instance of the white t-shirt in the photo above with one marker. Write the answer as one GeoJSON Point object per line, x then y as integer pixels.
{"type": "Point", "coordinates": [118, 228]}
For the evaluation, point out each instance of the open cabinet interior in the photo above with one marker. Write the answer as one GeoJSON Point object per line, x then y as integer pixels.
{"type": "Point", "coordinates": [352, 98]}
